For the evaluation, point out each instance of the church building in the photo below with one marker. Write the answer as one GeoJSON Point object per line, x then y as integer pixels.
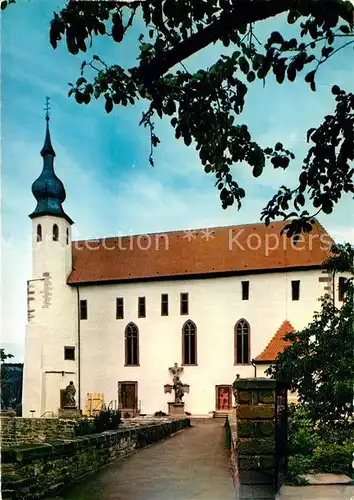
{"type": "Point", "coordinates": [114, 314]}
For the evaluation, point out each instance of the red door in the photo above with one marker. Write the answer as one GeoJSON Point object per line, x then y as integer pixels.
{"type": "Point", "coordinates": [223, 397]}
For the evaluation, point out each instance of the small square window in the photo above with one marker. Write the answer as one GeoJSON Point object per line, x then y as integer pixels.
{"type": "Point", "coordinates": [164, 304]}
{"type": "Point", "coordinates": [184, 303]}
{"type": "Point", "coordinates": [141, 307]}
{"type": "Point", "coordinates": [245, 290]}
{"type": "Point", "coordinates": [120, 308]}
{"type": "Point", "coordinates": [295, 290]}
{"type": "Point", "coordinates": [83, 309]}
{"type": "Point", "coordinates": [69, 353]}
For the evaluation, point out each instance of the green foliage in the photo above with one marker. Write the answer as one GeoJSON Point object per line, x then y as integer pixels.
{"type": "Point", "coordinates": [204, 107]}
{"type": "Point", "coordinates": [10, 384]}
{"type": "Point", "coordinates": [105, 420]}
{"type": "Point", "coordinates": [160, 414]}
{"type": "Point", "coordinates": [313, 449]}
{"type": "Point", "coordinates": [227, 435]}
{"type": "Point", "coordinates": [298, 465]}
{"type": "Point", "coordinates": [4, 356]}
{"type": "Point", "coordinates": [335, 458]}
{"type": "Point", "coordinates": [302, 437]}
{"type": "Point", "coordinates": [85, 426]}
{"type": "Point", "coordinates": [319, 362]}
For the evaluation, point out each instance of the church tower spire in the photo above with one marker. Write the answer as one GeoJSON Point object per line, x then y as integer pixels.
{"type": "Point", "coordinates": [47, 188]}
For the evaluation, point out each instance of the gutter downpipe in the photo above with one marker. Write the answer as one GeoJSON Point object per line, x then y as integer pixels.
{"type": "Point", "coordinates": [78, 348]}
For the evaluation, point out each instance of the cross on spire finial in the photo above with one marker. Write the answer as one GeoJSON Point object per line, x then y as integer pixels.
{"type": "Point", "coordinates": [47, 108]}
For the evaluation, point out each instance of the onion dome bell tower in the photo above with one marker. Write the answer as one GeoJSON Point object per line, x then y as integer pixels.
{"type": "Point", "coordinates": [47, 188]}
{"type": "Point", "coordinates": [51, 226]}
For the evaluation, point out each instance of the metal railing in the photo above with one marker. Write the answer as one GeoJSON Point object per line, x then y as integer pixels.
{"type": "Point", "coordinates": [45, 413]}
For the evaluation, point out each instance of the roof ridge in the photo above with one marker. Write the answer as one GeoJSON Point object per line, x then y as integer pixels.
{"type": "Point", "coordinates": [280, 222]}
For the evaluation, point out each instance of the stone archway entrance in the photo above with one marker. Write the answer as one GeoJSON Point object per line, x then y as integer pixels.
{"type": "Point", "coordinates": [223, 397]}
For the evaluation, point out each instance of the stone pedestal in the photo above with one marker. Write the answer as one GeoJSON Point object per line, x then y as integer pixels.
{"type": "Point", "coordinates": [176, 409]}
{"type": "Point", "coordinates": [259, 437]}
{"type": "Point", "coordinates": [70, 412]}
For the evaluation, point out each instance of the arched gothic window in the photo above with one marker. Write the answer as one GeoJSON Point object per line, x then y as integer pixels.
{"type": "Point", "coordinates": [55, 233]}
{"type": "Point", "coordinates": [39, 232]}
{"type": "Point", "coordinates": [242, 342]}
{"type": "Point", "coordinates": [67, 236]}
{"type": "Point", "coordinates": [189, 343]}
{"type": "Point", "coordinates": [131, 345]}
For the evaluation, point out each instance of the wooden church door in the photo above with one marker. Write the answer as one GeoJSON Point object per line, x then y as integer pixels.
{"type": "Point", "coordinates": [128, 395]}
{"type": "Point", "coordinates": [223, 397]}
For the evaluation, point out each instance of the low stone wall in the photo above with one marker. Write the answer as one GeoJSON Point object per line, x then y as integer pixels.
{"type": "Point", "coordinates": [17, 430]}
{"type": "Point", "coordinates": [33, 471]}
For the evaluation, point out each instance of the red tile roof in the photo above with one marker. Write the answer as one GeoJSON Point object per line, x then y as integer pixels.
{"type": "Point", "coordinates": [213, 251]}
{"type": "Point", "coordinates": [277, 344]}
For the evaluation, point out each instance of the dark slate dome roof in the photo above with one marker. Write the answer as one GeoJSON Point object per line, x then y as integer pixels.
{"type": "Point", "coordinates": [48, 189]}
{"type": "Point", "coordinates": [48, 185]}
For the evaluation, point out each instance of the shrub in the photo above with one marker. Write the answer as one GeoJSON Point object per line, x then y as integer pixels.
{"type": "Point", "coordinates": [313, 449]}
{"type": "Point", "coordinates": [334, 458]}
{"type": "Point", "coordinates": [160, 414]}
{"type": "Point", "coordinates": [227, 435]}
{"type": "Point", "coordinates": [297, 466]}
{"type": "Point", "coordinates": [302, 435]}
{"type": "Point", "coordinates": [84, 426]}
{"type": "Point", "coordinates": [105, 420]}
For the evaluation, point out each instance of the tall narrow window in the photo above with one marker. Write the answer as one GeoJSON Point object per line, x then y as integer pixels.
{"type": "Point", "coordinates": [245, 290]}
{"type": "Point", "coordinates": [67, 236]}
{"type": "Point", "coordinates": [242, 342]}
{"type": "Point", "coordinates": [184, 303]}
{"type": "Point", "coordinates": [189, 343]}
{"type": "Point", "coordinates": [164, 304]}
{"type": "Point", "coordinates": [83, 309]}
{"type": "Point", "coordinates": [120, 308]}
{"type": "Point", "coordinates": [141, 307]}
{"type": "Point", "coordinates": [39, 232]}
{"type": "Point", "coordinates": [55, 233]}
{"type": "Point", "coordinates": [131, 345]}
{"type": "Point", "coordinates": [342, 288]}
{"type": "Point", "coordinates": [295, 290]}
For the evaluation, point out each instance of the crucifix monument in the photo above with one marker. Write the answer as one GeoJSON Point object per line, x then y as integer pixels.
{"type": "Point", "coordinates": [176, 407]}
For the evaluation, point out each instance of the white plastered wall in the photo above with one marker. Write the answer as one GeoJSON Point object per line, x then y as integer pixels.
{"type": "Point", "coordinates": [215, 306]}
{"type": "Point", "coordinates": [52, 319]}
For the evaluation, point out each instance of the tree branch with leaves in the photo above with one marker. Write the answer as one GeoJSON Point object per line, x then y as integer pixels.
{"type": "Point", "coordinates": [205, 107]}
{"type": "Point", "coordinates": [319, 362]}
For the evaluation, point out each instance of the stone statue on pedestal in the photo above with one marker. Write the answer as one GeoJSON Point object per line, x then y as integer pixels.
{"type": "Point", "coordinates": [177, 384]}
{"type": "Point", "coordinates": [69, 395]}
{"type": "Point", "coordinates": [176, 407]}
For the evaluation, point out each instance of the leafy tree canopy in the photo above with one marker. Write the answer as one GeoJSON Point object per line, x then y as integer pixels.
{"type": "Point", "coordinates": [205, 107]}
{"type": "Point", "coordinates": [4, 355]}
{"type": "Point", "coordinates": [319, 362]}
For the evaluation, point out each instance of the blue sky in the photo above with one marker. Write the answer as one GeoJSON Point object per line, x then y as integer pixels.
{"type": "Point", "coordinates": [103, 159]}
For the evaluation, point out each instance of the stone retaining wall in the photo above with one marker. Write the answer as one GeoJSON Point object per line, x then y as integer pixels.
{"type": "Point", "coordinates": [36, 470]}
{"type": "Point", "coordinates": [17, 430]}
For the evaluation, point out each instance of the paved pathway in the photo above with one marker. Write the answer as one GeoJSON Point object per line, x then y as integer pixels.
{"type": "Point", "coordinates": [328, 492]}
{"type": "Point", "coordinates": [191, 465]}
